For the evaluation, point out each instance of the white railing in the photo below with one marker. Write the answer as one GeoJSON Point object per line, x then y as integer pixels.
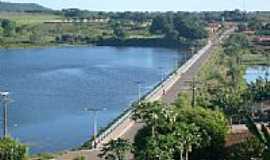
{"type": "Point", "coordinates": [157, 93]}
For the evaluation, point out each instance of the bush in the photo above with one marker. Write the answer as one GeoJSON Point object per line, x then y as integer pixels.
{"type": "Point", "coordinates": [251, 149]}
{"type": "Point", "coordinates": [215, 126]}
{"type": "Point", "coordinates": [12, 150]}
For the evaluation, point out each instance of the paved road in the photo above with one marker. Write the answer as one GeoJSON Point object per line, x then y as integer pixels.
{"type": "Point", "coordinates": [170, 97]}
{"type": "Point", "coordinates": [129, 129]}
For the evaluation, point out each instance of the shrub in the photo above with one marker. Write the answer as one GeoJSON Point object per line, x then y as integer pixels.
{"type": "Point", "coordinates": [251, 149]}
{"type": "Point", "coordinates": [12, 150]}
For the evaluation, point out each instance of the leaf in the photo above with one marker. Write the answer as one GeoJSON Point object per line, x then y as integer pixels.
{"type": "Point", "coordinates": [254, 130]}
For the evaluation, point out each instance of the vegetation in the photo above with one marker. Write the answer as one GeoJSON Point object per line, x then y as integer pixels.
{"type": "Point", "coordinates": [179, 131]}
{"type": "Point", "coordinates": [263, 136]}
{"type": "Point", "coordinates": [116, 150]}
{"type": "Point", "coordinates": [42, 27]}
{"type": "Point", "coordinates": [249, 150]}
{"type": "Point", "coordinates": [12, 150]}
{"type": "Point", "coordinates": [22, 7]}
{"type": "Point", "coordinates": [174, 132]}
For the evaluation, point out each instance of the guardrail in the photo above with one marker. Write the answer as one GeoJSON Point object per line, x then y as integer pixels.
{"type": "Point", "coordinates": [157, 92]}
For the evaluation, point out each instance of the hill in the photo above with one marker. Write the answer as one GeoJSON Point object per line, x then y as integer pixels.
{"type": "Point", "coordinates": [22, 7]}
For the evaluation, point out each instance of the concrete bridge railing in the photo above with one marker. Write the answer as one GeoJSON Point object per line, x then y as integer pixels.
{"type": "Point", "coordinates": [156, 94]}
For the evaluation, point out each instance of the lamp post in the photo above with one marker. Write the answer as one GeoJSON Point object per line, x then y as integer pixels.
{"type": "Point", "coordinates": [162, 73]}
{"type": "Point", "coordinates": [5, 100]}
{"type": "Point", "coordinates": [94, 111]}
{"type": "Point", "coordinates": [139, 83]}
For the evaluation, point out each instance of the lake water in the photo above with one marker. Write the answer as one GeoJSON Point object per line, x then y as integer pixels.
{"type": "Point", "coordinates": [52, 86]}
{"type": "Point", "coordinates": [255, 72]}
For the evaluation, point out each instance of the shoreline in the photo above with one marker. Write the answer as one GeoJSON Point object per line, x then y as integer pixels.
{"type": "Point", "coordinates": [110, 42]}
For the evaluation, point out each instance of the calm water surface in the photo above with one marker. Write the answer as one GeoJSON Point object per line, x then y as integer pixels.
{"type": "Point", "coordinates": [255, 72]}
{"type": "Point", "coordinates": [52, 86]}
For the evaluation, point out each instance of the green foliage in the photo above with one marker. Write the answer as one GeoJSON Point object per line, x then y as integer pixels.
{"type": "Point", "coordinates": [119, 33]}
{"type": "Point", "coordinates": [80, 158]}
{"type": "Point", "coordinates": [161, 24]}
{"type": "Point", "coordinates": [259, 90]}
{"type": "Point", "coordinates": [9, 27]}
{"type": "Point", "coordinates": [12, 150]}
{"type": "Point", "coordinates": [190, 27]}
{"type": "Point", "coordinates": [175, 26]}
{"type": "Point", "coordinates": [255, 24]}
{"type": "Point", "coordinates": [214, 126]}
{"type": "Point", "coordinates": [116, 150]}
{"type": "Point", "coordinates": [182, 101]}
{"type": "Point", "coordinates": [250, 149]}
{"type": "Point", "coordinates": [235, 43]}
{"type": "Point", "coordinates": [262, 134]}
{"type": "Point", "coordinates": [37, 35]}
{"type": "Point", "coordinates": [174, 131]}
{"type": "Point", "coordinates": [22, 7]}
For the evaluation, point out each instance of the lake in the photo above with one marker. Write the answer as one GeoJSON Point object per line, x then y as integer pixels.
{"type": "Point", "coordinates": [50, 88]}
{"type": "Point", "coordinates": [255, 72]}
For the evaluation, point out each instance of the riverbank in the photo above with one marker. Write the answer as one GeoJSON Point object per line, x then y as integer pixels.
{"type": "Point", "coordinates": [129, 128]}
{"type": "Point", "coordinates": [113, 42]}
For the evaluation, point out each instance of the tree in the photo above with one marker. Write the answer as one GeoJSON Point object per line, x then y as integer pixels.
{"type": "Point", "coordinates": [190, 27]}
{"type": "Point", "coordinates": [249, 149]}
{"type": "Point", "coordinates": [12, 150]}
{"type": "Point", "coordinates": [118, 30]}
{"type": "Point", "coordinates": [263, 135]}
{"type": "Point", "coordinates": [171, 130]}
{"type": "Point", "coordinates": [149, 113]}
{"type": "Point", "coordinates": [213, 127]}
{"type": "Point", "coordinates": [9, 27]}
{"type": "Point", "coordinates": [186, 136]}
{"type": "Point", "coordinates": [116, 150]}
{"type": "Point", "coordinates": [36, 36]}
{"type": "Point", "coordinates": [161, 24]}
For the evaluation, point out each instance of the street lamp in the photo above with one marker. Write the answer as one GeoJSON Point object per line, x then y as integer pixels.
{"type": "Point", "coordinates": [95, 111]}
{"type": "Point", "coordinates": [5, 100]}
{"type": "Point", "coordinates": [162, 73]}
{"type": "Point", "coordinates": [139, 83]}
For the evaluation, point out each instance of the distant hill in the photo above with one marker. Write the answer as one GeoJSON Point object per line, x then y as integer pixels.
{"type": "Point", "coordinates": [22, 7]}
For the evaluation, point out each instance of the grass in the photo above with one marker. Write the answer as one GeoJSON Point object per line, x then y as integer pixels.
{"type": "Point", "coordinates": [28, 18]}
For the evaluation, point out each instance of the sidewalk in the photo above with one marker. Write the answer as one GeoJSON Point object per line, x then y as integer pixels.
{"type": "Point", "coordinates": [129, 128]}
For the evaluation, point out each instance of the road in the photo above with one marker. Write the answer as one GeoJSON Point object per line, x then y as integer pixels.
{"type": "Point", "coordinates": [129, 128]}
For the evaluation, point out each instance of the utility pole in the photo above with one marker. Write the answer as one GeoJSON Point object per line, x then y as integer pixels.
{"type": "Point", "coordinates": [95, 130]}
{"type": "Point", "coordinates": [5, 100]}
{"type": "Point", "coordinates": [194, 88]}
{"type": "Point", "coordinates": [193, 92]}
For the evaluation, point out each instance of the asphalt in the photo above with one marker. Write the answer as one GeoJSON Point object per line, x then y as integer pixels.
{"type": "Point", "coordinates": [170, 96]}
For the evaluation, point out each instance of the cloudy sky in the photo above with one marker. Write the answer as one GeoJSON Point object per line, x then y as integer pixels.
{"type": "Point", "coordinates": [154, 5]}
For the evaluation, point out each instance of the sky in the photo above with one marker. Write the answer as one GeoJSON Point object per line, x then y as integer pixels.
{"type": "Point", "coordinates": [154, 5]}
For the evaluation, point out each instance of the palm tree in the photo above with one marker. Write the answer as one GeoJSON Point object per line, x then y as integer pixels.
{"type": "Point", "coordinates": [263, 135]}
{"type": "Point", "coordinates": [186, 136]}
{"type": "Point", "coordinates": [116, 150]}
{"type": "Point", "coordinates": [149, 113]}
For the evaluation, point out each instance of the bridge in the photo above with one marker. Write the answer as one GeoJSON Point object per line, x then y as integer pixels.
{"type": "Point", "coordinates": [127, 128]}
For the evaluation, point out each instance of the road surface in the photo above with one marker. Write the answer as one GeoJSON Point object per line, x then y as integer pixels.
{"type": "Point", "coordinates": [129, 128]}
